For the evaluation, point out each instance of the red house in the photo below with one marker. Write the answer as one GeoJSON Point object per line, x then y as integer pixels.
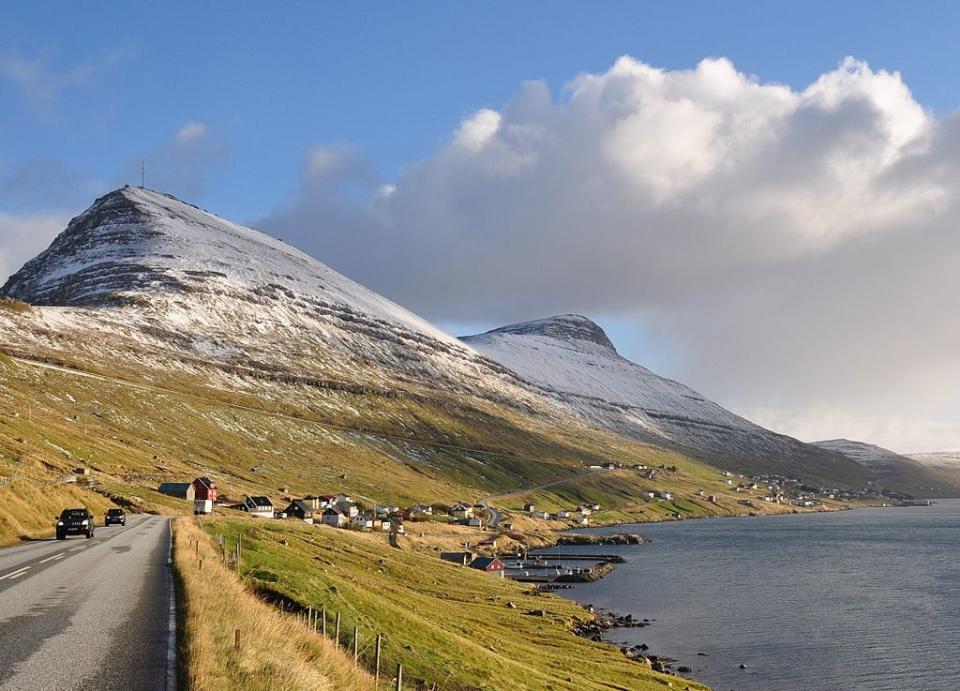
{"type": "Point", "coordinates": [205, 493]}
{"type": "Point", "coordinates": [205, 488]}
{"type": "Point", "coordinates": [489, 564]}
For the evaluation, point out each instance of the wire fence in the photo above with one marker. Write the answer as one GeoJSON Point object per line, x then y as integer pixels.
{"type": "Point", "coordinates": [368, 647]}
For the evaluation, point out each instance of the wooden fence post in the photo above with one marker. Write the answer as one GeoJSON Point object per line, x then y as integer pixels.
{"type": "Point", "coordinates": [323, 615]}
{"type": "Point", "coordinates": [337, 638]}
{"type": "Point", "coordinates": [399, 677]}
{"type": "Point", "coordinates": [356, 644]}
{"type": "Point", "coordinates": [376, 667]}
{"type": "Point", "coordinates": [236, 640]}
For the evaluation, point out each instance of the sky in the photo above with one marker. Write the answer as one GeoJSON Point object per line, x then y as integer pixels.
{"type": "Point", "coordinates": [756, 199]}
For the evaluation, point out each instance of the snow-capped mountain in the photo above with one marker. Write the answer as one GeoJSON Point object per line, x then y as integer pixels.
{"type": "Point", "coordinates": [144, 282]}
{"type": "Point", "coordinates": [571, 359]}
{"type": "Point", "coordinates": [179, 286]}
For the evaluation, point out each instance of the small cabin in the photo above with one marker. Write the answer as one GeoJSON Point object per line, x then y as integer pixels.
{"type": "Point", "coordinates": [180, 490]}
{"type": "Point", "coordinates": [461, 558]}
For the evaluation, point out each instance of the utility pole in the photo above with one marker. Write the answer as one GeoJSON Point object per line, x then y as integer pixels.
{"type": "Point", "coordinates": [141, 173]}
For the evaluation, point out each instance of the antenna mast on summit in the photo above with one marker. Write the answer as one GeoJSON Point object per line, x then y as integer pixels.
{"type": "Point", "coordinates": [141, 174]}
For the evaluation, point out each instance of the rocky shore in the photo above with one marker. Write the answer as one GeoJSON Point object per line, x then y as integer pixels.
{"type": "Point", "coordinates": [595, 630]}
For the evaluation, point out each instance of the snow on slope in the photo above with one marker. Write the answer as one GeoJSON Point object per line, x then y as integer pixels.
{"type": "Point", "coordinates": [948, 459]}
{"type": "Point", "coordinates": [570, 358]}
{"type": "Point", "coordinates": [871, 456]}
{"type": "Point", "coordinates": [571, 354]}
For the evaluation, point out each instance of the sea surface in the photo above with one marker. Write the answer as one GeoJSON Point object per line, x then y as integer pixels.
{"type": "Point", "coordinates": [862, 599]}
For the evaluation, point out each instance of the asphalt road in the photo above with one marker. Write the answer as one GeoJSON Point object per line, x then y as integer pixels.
{"type": "Point", "coordinates": [90, 614]}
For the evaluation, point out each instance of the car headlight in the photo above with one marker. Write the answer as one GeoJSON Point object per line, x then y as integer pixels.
{"type": "Point", "coordinates": [59, 523]}
{"type": "Point", "coordinates": [85, 522]}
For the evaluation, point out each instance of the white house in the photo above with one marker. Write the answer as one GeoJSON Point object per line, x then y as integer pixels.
{"type": "Point", "coordinates": [333, 517]}
{"type": "Point", "coordinates": [563, 514]}
{"type": "Point", "coordinates": [384, 526]}
{"type": "Point", "coordinates": [423, 509]}
{"type": "Point", "coordinates": [461, 511]}
{"type": "Point", "coordinates": [260, 507]}
{"type": "Point", "coordinates": [362, 522]}
{"type": "Point", "coordinates": [381, 510]}
{"type": "Point", "coordinates": [541, 514]}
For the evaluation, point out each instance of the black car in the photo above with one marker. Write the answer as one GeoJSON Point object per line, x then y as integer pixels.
{"type": "Point", "coordinates": [75, 522]}
{"type": "Point", "coordinates": [115, 516]}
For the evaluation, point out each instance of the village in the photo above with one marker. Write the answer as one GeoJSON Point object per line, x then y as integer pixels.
{"type": "Point", "coordinates": [347, 512]}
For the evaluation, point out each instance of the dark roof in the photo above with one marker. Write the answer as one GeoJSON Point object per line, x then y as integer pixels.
{"type": "Point", "coordinates": [484, 563]}
{"type": "Point", "coordinates": [300, 506]}
{"type": "Point", "coordinates": [205, 481]}
{"type": "Point", "coordinates": [333, 511]}
{"type": "Point", "coordinates": [259, 501]}
{"type": "Point", "coordinates": [174, 486]}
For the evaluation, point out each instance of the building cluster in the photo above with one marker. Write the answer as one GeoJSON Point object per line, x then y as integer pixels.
{"type": "Point", "coordinates": [580, 515]}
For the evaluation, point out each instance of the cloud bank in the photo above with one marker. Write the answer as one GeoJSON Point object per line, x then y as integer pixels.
{"type": "Point", "coordinates": [796, 248]}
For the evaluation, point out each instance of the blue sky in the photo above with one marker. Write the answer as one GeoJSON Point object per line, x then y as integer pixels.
{"type": "Point", "coordinates": [391, 80]}
{"type": "Point", "coordinates": [302, 117]}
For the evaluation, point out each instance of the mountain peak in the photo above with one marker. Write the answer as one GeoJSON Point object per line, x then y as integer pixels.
{"type": "Point", "coordinates": [564, 327]}
{"type": "Point", "coordinates": [135, 246]}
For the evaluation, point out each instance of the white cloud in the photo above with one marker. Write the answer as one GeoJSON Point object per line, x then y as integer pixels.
{"type": "Point", "coordinates": [900, 434]}
{"type": "Point", "coordinates": [184, 165]}
{"type": "Point", "coordinates": [41, 81]}
{"type": "Point", "coordinates": [191, 131]}
{"type": "Point", "coordinates": [24, 236]}
{"type": "Point", "coordinates": [797, 247]}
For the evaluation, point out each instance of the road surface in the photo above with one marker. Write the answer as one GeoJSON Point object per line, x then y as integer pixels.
{"type": "Point", "coordinates": [90, 614]}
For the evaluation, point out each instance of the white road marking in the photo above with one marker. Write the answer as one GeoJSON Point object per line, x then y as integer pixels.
{"type": "Point", "coordinates": [76, 549]}
{"type": "Point", "coordinates": [15, 574]}
{"type": "Point", "coordinates": [53, 558]}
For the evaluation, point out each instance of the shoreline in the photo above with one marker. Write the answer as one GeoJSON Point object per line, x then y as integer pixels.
{"type": "Point", "coordinates": [606, 621]}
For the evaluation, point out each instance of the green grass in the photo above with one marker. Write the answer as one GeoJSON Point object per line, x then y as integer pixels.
{"type": "Point", "coordinates": [449, 626]}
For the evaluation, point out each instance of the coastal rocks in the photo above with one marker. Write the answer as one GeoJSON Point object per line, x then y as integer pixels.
{"type": "Point", "coordinates": [588, 575]}
{"type": "Point", "coordinates": [590, 539]}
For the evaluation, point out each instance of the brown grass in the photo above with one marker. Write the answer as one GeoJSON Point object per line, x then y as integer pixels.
{"type": "Point", "coordinates": [14, 305]}
{"type": "Point", "coordinates": [277, 652]}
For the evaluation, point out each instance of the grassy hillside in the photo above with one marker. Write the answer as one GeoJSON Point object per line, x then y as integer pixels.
{"type": "Point", "coordinates": [450, 626]}
{"type": "Point", "coordinates": [132, 437]}
{"type": "Point", "coordinates": [276, 650]}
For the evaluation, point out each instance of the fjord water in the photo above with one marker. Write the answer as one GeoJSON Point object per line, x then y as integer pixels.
{"type": "Point", "coordinates": [862, 599]}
